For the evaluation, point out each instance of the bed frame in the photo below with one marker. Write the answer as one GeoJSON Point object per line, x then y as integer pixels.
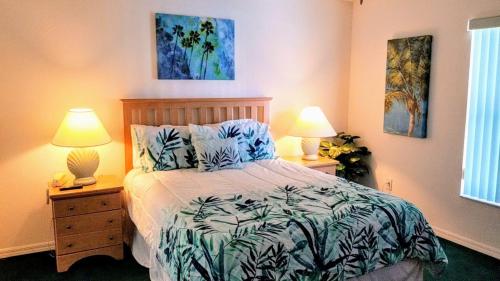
{"type": "Point", "coordinates": [179, 112]}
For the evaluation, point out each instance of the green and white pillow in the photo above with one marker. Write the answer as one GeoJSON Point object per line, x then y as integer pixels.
{"type": "Point", "coordinates": [217, 154]}
{"type": "Point", "coordinates": [258, 143]}
{"type": "Point", "coordinates": [254, 140]}
{"type": "Point", "coordinates": [162, 148]}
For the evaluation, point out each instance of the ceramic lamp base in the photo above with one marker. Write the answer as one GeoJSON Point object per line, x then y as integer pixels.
{"type": "Point", "coordinates": [83, 162]}
{"type": "Point", "coordinates": [85, 181]}
{"type": "Point", "coordinates": [310, 148]}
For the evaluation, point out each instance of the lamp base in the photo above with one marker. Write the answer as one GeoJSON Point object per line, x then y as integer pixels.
{"type": "Point", "coordinates": [310, 148]}
{"type": "Point", "coordinates": [85, 181]}
{"type": "Point", "coordinates": [83, 162]}
{"type": "Point", "coordinates": [312, 157]}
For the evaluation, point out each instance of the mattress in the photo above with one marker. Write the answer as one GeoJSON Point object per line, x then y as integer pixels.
{"type": "Point", "coordinates": [154, 197]}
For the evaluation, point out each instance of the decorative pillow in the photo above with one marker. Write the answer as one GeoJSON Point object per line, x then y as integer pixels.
{"type": "Point", "coordinates": [258, 143]}
{"type": "Point", "coordinates": [162, 148]}
{"type": "Point", "coordinates": [254, 140]}
{"type": "Point", "coordinates": [217, 154]}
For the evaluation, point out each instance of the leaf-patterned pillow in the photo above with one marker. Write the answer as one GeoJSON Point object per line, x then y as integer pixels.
{"type": "Point", "coordinates": [162, 148]}
{"type": "Point", "coordinates": [254, 140]}
{"type": "Point", "coordinates": [257, 142]}
{"type": "Point", "coordinates": [217, 154]}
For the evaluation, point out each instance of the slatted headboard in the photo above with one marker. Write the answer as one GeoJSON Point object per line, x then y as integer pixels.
{"type": "Point", "coordinates": [179, 112]}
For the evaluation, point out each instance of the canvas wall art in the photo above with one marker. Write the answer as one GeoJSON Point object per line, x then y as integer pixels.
{"type": "Point", "coordinates": [194, 48]}
{"type": "Point", "coordinates": [407, 86]}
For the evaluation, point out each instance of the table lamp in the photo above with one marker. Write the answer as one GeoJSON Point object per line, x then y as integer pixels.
{"type": "Point", "coordinates": [312, 125]}
{"type": "Point", "coordinates": [82, 129]}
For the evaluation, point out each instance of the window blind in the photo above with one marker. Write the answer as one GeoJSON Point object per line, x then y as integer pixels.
{"type": "Point", "coordinates": [481, 168]}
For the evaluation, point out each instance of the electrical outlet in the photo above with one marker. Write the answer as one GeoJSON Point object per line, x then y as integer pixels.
{"type": "Point", "coordinates": [388, 186]}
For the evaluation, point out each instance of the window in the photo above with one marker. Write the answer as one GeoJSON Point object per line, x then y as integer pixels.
{"type": "Point", "coordinates": [481, 164]}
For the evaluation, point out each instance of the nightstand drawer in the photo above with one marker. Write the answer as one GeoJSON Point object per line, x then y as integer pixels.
{"type": "Point", "coordinates": [327, 169]}
{"type": "Point", "coordinates": [88, 223]}
{"type": "Point", "coordinates": [88, 241]}
{"type": "Point", "coordinates": [86, 205]}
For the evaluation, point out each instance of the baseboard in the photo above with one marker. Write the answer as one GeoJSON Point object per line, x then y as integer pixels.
{"type": "Point", "coordinates": [26, 249]}
{"type": "Point", "coordinates": [469, 243]}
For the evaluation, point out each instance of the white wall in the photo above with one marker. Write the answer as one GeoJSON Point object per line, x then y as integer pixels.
{"type": "Point", "coordinates": [427, 172]}
{"type": "Point", "coordinates": [59, 54]}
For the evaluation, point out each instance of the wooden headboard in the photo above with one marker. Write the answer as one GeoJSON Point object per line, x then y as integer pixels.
{"type": "Point", "coordinates": [179, 112]}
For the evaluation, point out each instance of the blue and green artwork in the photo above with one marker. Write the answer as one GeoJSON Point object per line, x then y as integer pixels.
{"type": "Point", "coordinates": [407, 86]}
{"type": "Point", "coordinates": [194, 48]}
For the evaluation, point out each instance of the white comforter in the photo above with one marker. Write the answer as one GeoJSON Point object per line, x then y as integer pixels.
{"type": "Point", "coordinates": [150, 193]}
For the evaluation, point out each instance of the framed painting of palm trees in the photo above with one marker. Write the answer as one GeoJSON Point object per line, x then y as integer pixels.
{"type": "Point", "coordinates": [407, 86]}
{"type": "Point", "coordinates": [194, 48]}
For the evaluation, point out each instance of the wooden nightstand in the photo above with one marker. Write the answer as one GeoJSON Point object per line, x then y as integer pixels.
{"type": "Point", "coordinates": [87, 221]}
{"type": "Point", "coordinates": [323, 164]}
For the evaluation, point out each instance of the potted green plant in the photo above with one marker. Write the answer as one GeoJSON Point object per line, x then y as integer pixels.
{"type": "Point", "coordinates": [352, 158]}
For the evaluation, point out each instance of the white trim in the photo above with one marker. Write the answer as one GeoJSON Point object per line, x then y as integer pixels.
{"type": "Point", "coordinates": [482, 23]}
{"type": "Point", "coordinates": [479, 200]}
{"type": "Point", "coordinates": [469, 243]}
{"type": "Point", "coordinates": [26, 249]}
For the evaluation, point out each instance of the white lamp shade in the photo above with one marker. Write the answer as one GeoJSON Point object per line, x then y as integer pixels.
{"type": "Point", "coordinates": [312, 123]}
{"type": "Point", "coordinates": [81, 128]}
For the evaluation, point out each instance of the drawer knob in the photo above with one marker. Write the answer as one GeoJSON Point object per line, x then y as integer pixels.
{"type": "Point", "coordinates": [110, 221]}
{"type": "Point", "coordinates": [104, 203]}
{"type": "Point", "coordinates": [69, 226]}
{"type": "Point", "coordinates": [69, 245]}
{"type": "Point", "coordinates": [71, 208]}
{"type": "Point", "coordinates": [111, 238]}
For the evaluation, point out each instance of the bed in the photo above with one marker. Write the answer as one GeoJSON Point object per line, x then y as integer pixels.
{"type": "Point", "coordinates": [270, 220]}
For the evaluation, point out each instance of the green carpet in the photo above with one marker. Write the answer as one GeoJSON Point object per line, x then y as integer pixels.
{"type": "Point", "coordinates": [42, 266]}
{"type": "Point", "coordinates": [467, 265]}
{"type": "Point", "coordinates": [464, 264]}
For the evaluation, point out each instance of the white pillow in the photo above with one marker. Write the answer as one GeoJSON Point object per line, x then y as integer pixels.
{"type": "Point", "coordinates": [254, 140]}
{"type": "Point", "coordinates": [162, 148]}
{"type": "Point", "coordinates": [217, 154]}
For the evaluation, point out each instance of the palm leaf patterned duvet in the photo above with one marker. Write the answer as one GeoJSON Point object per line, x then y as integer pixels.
{"type": "Point", "coordinates": [290, 233]}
